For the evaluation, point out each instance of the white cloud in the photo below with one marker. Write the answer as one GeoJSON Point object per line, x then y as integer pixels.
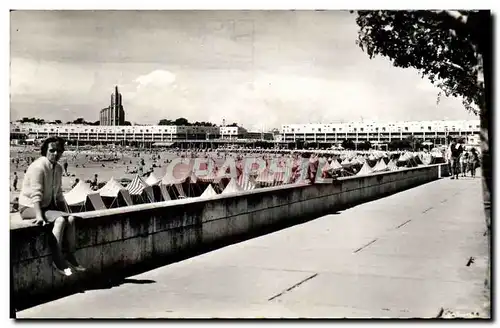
{"type": "Point", "coordinates": [157, 79]}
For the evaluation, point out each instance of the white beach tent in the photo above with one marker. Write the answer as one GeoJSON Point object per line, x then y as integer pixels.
{"type": "Point", "coordinates": [140, 191]}
{"type": "Point", "coordinates": [171, 188]}
{"type": "Point", "coordinates": [232, 187]}
{"type": "Point", "coordinates": [152, 180]}
{"type": "Point", "coordinates": [380, 166]}
{"type": "Point", "coordinates": [114, 194]}
{"type": "Point", "coordinates": [82, 198]}
{"type": "Point", "coordinates": [335, 165]}
{"type": "Point", "coordinates": [392, 166]}
{"type": "Point", "coordinates": [365, 169]}
{"type": "Point", "coordinates": [346, 162]}
{"type": "Point", "coordinates": [78, 194]}
{"type": "Point", "coordinates": [209, 192]}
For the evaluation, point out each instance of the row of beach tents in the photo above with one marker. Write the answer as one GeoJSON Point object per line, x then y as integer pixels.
{"type": "Point", "coordinates": [154, 189]}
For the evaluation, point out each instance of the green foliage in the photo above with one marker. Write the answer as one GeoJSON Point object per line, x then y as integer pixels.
{"type": "Point", "coordinates": [32, 120]}
{"type": "Point", "coordinates": [348, 144]}
{"type": "Point", "coordinates": [447, 47]}
{"type": "Point", "coordinates": [365, 145]}
{"type": "Point", "coordinates": [184, 122]}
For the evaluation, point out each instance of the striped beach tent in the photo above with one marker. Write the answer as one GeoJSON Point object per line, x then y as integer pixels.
{"type": "Point", "coordinates": [232, 187]}
{"type": "Point", "coordinates": [246, 181]}
{"type": "Point", "coordinates": [265, 178]}
{"type": "Point", "coordinates": [140, 191]}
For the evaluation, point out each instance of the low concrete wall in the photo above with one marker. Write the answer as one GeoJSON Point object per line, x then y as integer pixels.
{"type": "Point", "coordinates": [111, 241]}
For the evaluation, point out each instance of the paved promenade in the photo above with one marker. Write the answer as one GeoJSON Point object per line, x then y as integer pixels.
{"type": "Point", "coordinates": [406, 255]}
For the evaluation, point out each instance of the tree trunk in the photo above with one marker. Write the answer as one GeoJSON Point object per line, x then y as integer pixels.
{"type": "Point", "coordinates": [484, 46]}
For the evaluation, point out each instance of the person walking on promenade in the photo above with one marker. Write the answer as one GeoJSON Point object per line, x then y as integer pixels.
{"type": "Point", "coordinates": [456, 150]}
{"type": "Point", "coordinates": [473, 161]}
{"type": "Point", "coordinates": [41, 200]}
{"type": "Point", "coordinates": [464, 162]}
{"type": "Point", "coordinates": [14, 183]}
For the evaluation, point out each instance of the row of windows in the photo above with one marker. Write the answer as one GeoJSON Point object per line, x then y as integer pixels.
{"type": "Point", "coordinates": [429, 128]}
{"type": "Point", "coordinates": [371, 125]}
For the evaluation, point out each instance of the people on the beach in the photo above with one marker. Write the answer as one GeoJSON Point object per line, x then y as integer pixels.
{"type": "Point", "coordinates": [75, 183]}
{"type": "Point", "coordinates": [93, 184]}
{"type": "Point", "coordinates": [65, 166]}
{"type": "Point", "coordinates": [14, 205]}
{"type": "Point", "coordinates": [14, 183]}
{"type": "Point", "coordinates": [41, 200]}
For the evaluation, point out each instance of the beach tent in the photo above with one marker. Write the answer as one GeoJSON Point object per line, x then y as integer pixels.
{"type": "Point", "coordinates": [140, 191]}
{"type": "Point", "coordinates": [114, 194]}
{"type": "Point", "coordinates": [231, 187]}
{"type": "Point", "coordinates": [246, 181]}
{"type": "Point", "coordinates": [392, 166]}
{"type": "Point", "coordinates": [171, 188]}
{"type": "Point", "coordinates": [209, 192]}
{"type": "Point", "coordinates": [152, 180]}
{"type": "Point", "coordinates": [78, 194]}
{"type": "Point", "coordinates": [335, 165]}
{"type": "Point", "coordinates": [425, 158]}
{"type": "Point", "coordinates": [346, 162]}
{"type": "Point", "coordinates": [380, 166]}
{"type": "Point", "coordinates": [265, 178]}
{"type": "Point", "coordinates": [78, 199]}
{"type": "Point", "coordinates": [94, 202]}
{"type": "Point", "coordinates": [365, 169]}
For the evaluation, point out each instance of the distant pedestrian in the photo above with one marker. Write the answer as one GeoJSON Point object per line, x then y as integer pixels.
{"type": "Point", "coordinates": [14, 184]}
{"type": "Point", "coordinates": [65, 166]}
{"type": "Point", "coordinates": [94, 182]}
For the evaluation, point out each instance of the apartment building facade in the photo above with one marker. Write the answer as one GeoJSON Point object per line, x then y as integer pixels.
{"type": "Point", "coordinates": [382, 132]}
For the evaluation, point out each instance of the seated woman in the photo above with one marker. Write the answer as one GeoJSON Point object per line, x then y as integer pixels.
{"type": "Point", "coordinates": [42, 201]}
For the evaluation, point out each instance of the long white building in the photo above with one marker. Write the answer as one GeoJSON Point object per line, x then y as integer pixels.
{"type": "Point", "coordinates": [382, 132]}
{"type": "Point", "coordinates": [113, 134]}
{"type": "Point", "coordinates": [143, 134]}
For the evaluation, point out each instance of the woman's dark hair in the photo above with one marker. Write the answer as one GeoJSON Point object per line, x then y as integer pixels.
{"type": "Point", "coordinates": [46, 142]}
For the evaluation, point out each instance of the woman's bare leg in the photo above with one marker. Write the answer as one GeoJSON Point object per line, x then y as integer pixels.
{"type": "Point", "coordinates": [70, 234]}
{"type": "Point", "coordinates": [71, 241]}
{"type": "Point", "coordinates": [58, 232]}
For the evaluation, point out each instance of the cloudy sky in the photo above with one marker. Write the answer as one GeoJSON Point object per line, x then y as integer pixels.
{"type": "Point", "coordinates": [257, 68]}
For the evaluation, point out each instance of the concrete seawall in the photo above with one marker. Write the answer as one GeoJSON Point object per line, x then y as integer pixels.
{"type": "Point", "coordinates": [116, 240]}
